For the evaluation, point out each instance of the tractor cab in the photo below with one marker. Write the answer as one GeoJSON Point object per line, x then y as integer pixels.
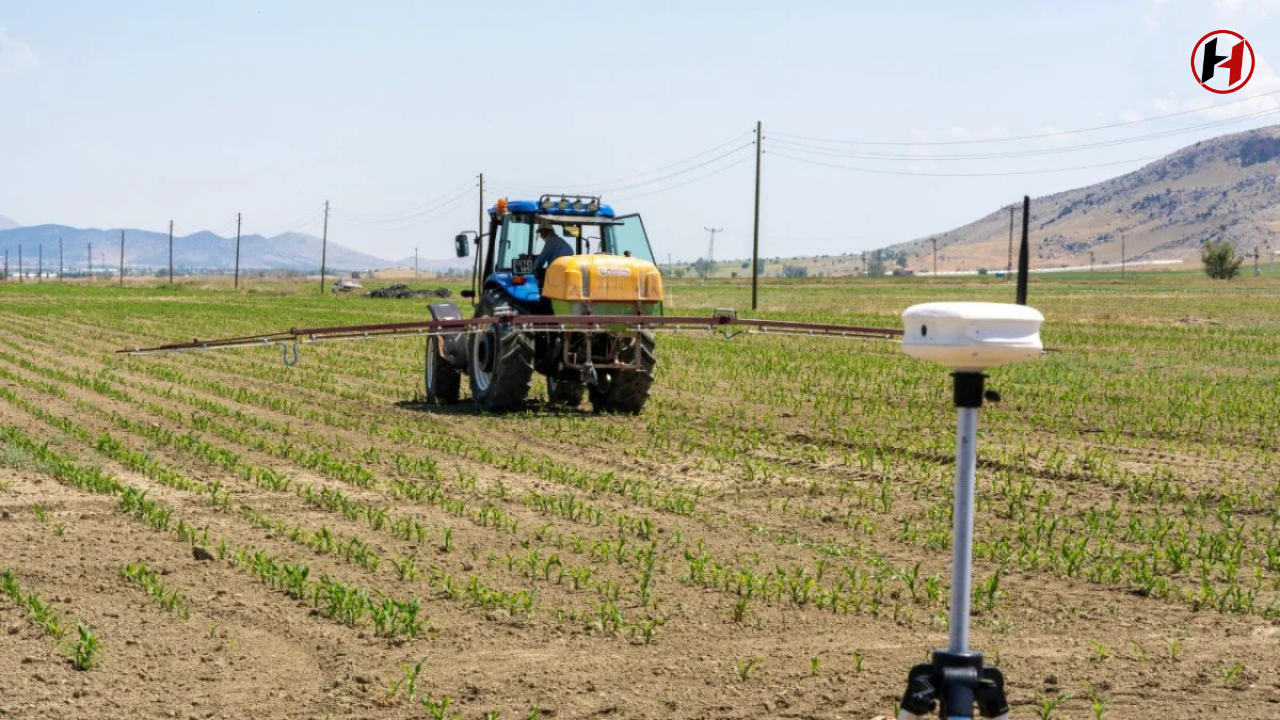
{"type": "Point", "coordinates": [515, 262]}
{"type": "Point", "coordinates": [567, 256]}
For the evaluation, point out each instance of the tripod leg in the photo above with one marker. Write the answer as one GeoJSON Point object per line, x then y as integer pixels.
{"type": "Point", "coordinates": [990, 694]}
{"type": "Point", "coordinates": [921, 695]}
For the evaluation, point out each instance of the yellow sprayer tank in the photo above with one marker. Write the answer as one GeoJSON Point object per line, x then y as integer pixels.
{"type": "Point", "coordinates": [603, 285]}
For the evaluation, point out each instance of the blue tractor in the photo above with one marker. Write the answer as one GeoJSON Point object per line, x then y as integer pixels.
{"type": "Point", "coordinates": [559, 256]}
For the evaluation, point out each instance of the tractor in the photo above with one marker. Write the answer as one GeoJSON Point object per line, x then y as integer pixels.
{"type": "Point", "coordinates": [610, 273]}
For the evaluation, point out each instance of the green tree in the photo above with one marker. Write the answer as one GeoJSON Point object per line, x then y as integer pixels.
{"type": "Point", "coordinates": [1220, 260]}
{"type": "Point", "coordinates": [875, 265]}
{"type": "Point", "coordinates": [702, 267]}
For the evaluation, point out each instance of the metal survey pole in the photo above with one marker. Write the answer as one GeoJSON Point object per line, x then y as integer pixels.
{"type": "Point", "coordinates": [962, 530]}
{"type": "Point", "coordinates": [956, 680]}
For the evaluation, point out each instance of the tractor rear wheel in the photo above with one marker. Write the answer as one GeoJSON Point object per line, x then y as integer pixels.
{"type": "Point", "coordinates": [443, 381]}
{"type": "Point", "coordinates": [627, 391]}
{"type": "Point", "coordinates": [561, 392]}
{"type": "Point", "coordinates": [501, 367]}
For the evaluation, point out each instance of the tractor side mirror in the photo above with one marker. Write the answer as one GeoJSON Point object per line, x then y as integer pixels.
{"type": "Point", "coordinates": [461, 245]}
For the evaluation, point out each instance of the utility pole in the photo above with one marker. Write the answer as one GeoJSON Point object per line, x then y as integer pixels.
{"type": "Point", "coordinates": [1090, 262]}
{"type": "Point", "coordinates": [237, 280]}
{"type": "Point", "coordinates": [324, 247]}
{"type": "Point", "coordinates": [415, 263]}
{"type": "Point", "coordinates": [1024, 250]}
{"type": "Point", "coordinates": [170, 252]}
{"type": "Point", "coordinates": [934, 240]}
{"type": "Point", "coordinates": [755, 229]}
{"type": "Point", "coordinates": [20, 270]}
{"type": "Point", "coordinates": [1122, 255]}
{"type": "Point", "coordinates": [6, 265]}
{"type": "Point", "coordinates": [711, 256]}
{"type": "Point", "coordinates": [40, 265]}
{"type": "Point", "coordinates": [864, 263]}
{"type": "Point", "coordinates": [1256, 271]}
{"type": "Point", "coordinates": [60, 265]}
{"type": "Point", "coordinates": [88, 269]}
{"type": "Point", "coordinates": [671, 272]}
{"type": "Point", "coordinates": [1008, 271]}
{"type": "Point", "coordinates": [480, 213]}
{"type": "Point", "coordinates": [121, 258]}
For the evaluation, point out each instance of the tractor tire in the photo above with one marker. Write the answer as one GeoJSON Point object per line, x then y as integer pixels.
{"type": "Point", "coordinates": [568, 394]}
{"type": "Point", "coordinates": [443, 381]}
{"type": "Point", "coordinates": [501, 367]}
{"type": "Point", "coordinates": [627, 391]}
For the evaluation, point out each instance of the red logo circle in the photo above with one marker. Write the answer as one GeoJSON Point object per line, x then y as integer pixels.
{"type": "Point", "coordinates": [1222, 61]}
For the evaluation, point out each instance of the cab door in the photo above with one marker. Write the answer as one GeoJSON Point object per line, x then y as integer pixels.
{"type": "Point", "coordinates": [629, 237]}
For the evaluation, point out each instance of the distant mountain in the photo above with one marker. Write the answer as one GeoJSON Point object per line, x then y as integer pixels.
{"type": "Point", "coordinates": [1220, 188]}
{"type": "Point", "coordinates": [436, 264]}
{"type": "Point", "coordinates": [203, 250]}
{"type": "Point", "coordinates": [7, 224]}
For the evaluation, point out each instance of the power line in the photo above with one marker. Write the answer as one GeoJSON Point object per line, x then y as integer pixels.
{"type": "Point", "coordinates": [602, 184]}
{"type": "Point", "coordinates": [436, 214]}
{"type": "Point", "coordinates": [878, 171]}
{"type": "Point", "coordinates": [832, 152]}
{"type": "Point", "coordinates": [690, 181]}
{"type": "Point", "coordinates": [308, 219]}
{"type": "Point", "coordinates": [686, 170]}
{"type": "Point", "coordinates": [675, 174]}
{"type": "Point", "coordinates": [445, 204]}
{"type": "Point", "coordinates": [1037, 136]}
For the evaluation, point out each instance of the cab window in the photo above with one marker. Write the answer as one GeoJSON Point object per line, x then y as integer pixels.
{"type": "Point", "coordinates": [628, 238]}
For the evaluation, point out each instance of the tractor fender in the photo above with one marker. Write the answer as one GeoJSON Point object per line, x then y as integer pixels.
{"type": "Point", "coordinates": [453, 345]}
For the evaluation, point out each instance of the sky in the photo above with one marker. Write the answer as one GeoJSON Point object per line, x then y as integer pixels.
{"type": "Point", "coordinates": [135, 114]}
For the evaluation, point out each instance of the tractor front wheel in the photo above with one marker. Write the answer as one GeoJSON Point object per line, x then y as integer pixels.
{"type": "Point", "coordinates": [501, 367]}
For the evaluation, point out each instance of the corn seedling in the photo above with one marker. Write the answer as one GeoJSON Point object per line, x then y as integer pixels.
{"type": "Point", "coordinates": [747, 667]}
{"type": "Point", "coordinates": [437, 708]}
{"type": "Point", "coordinates": [144, 577]}
{"type": "Point", "coordinates": [859, 659]}
{"type": "Point", "coordinates": [1100, 651]}
{"type": "Point", "coordinates": [84, 650]}
{"type": "Point", "coordinates": [1047, 705]}
{"type": "Point", "coordinates": [1097, 704]}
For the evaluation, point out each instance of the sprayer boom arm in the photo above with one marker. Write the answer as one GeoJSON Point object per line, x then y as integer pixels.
{"type": "Point", "coordinates": [720, 322]}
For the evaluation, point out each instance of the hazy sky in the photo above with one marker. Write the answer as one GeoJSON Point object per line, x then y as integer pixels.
{"type": "Point", "coordinates": [134, 113]}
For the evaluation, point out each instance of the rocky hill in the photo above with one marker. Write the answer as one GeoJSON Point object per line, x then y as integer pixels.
{"type": "Point", "coordinates": [1220, 188]}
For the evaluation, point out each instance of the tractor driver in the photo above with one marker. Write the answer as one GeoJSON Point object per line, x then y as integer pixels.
{"type": "Point", "coordinates": [554, 247]}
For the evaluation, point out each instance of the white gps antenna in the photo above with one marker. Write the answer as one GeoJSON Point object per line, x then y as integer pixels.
{"type": "Point", "coordinates": [968, 337]}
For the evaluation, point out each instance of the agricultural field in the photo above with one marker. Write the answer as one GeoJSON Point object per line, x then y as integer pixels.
{"type": "Point", "coordinates": [218, 535]}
